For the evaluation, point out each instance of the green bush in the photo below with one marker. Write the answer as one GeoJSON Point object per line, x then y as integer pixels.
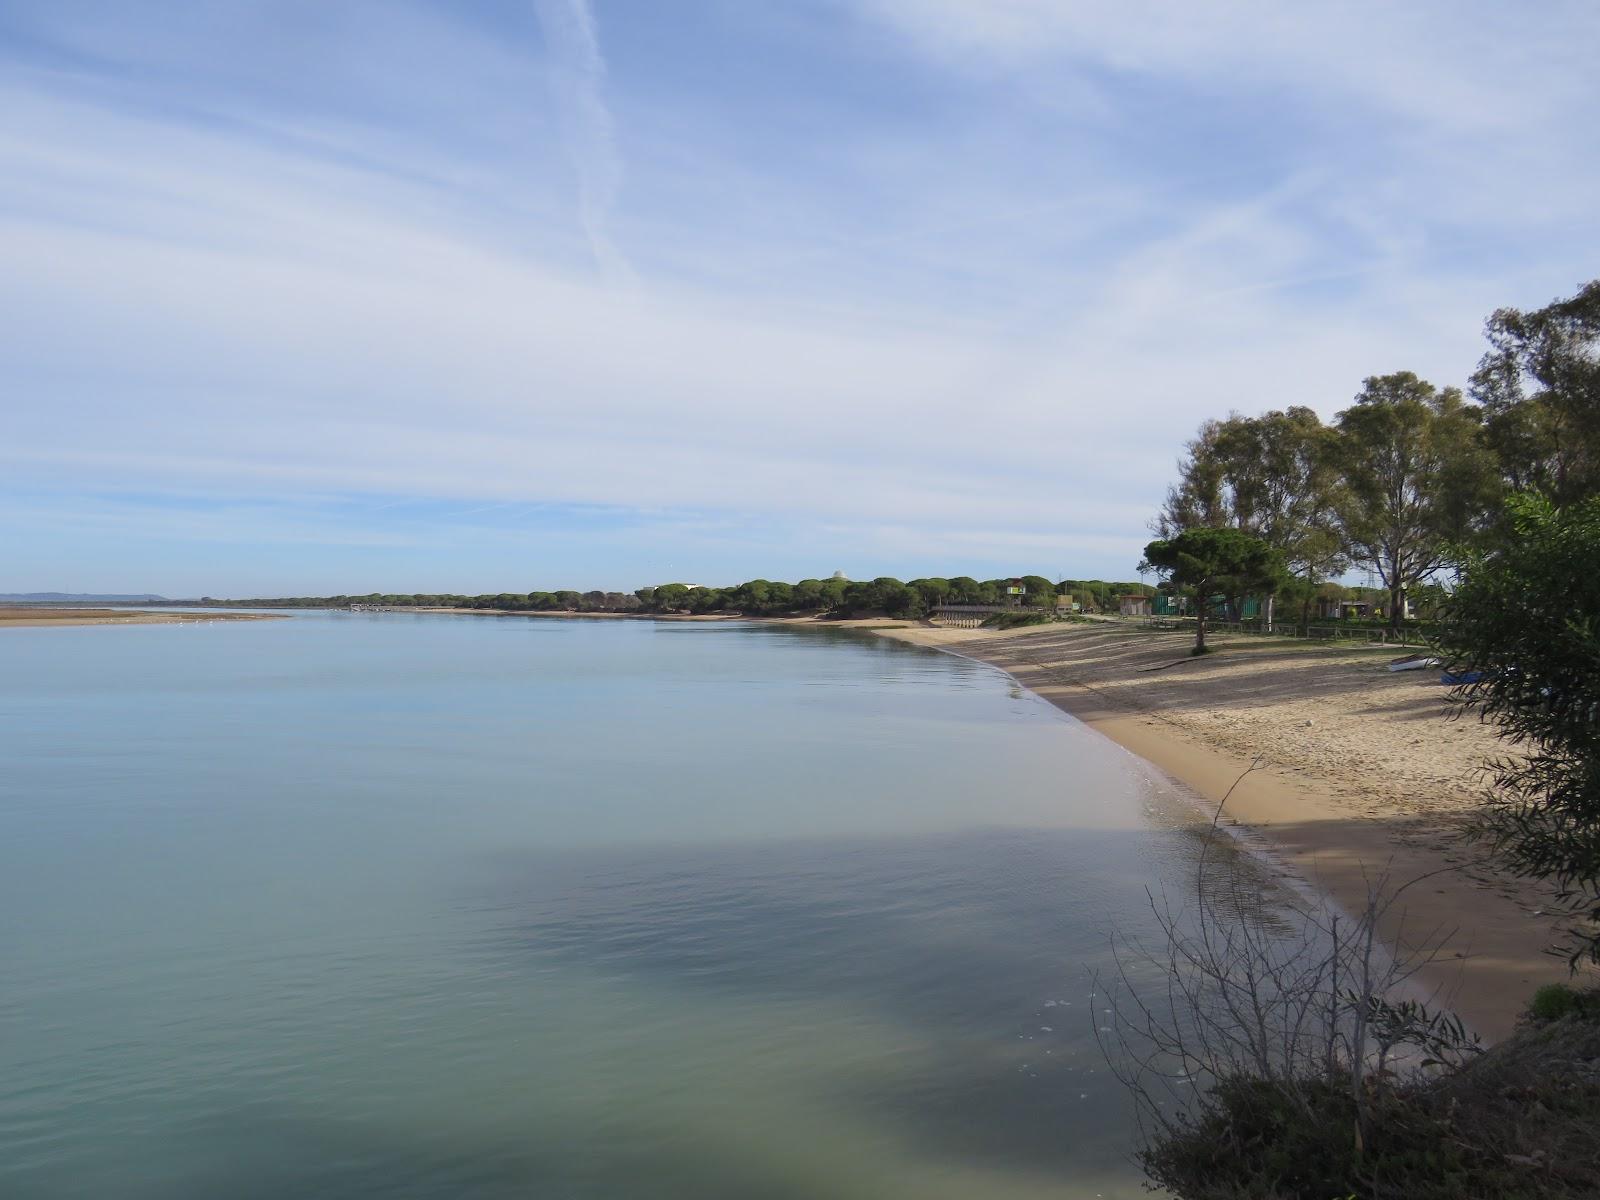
{"type": "Point", "coordinates": [1526, 622]}
{"type": "Point", "coordinates": [1017, 619]}
{"type": "Point", "coordinates": [1552, 1002]}
{"type": "Point", "coordinates": [1557, 1000]}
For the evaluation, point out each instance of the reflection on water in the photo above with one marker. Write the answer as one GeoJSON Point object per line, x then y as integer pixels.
{"type": "Point", "coordinates": [362, 906]}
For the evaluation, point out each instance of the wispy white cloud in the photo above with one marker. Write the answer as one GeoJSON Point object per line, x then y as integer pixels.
{"type": "Point", "coordinates": [948, 329]}
{"type": "Point", "coordinates": [577, 83]}
{"type": "Point", "coordinates": [1481, 67]}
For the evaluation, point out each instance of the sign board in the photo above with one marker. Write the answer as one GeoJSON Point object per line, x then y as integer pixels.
{"type": "Point", "coordinates": [1016, 591]}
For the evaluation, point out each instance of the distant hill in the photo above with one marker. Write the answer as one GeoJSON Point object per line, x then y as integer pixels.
{"type": "Point", "coordinates": [76, 597]}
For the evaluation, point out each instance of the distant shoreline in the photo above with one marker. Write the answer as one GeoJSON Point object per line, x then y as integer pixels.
{"type": "Point", "coordinates": [43, 616]}
{"type": "Point", "coordinates": [555, 613]}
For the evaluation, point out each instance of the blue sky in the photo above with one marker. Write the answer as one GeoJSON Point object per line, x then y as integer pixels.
{"type": "Point", "coordinates": [488, 295]}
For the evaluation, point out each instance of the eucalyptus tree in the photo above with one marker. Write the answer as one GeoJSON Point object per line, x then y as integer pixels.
{"type": "Point", "coordinates": [1274, 476]}
{"type": "Point", "coordinates": [1201, 498]}
{"type": "Point", "coordinates": [1539, 385]}
{"type": "Point", "coordinates": [1415, 479]}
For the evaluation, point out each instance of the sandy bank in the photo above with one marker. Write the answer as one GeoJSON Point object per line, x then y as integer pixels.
{"type": "Point", "coordinates": [61, 618]}
{"type": "Point", "coordinates": [1361, 774]}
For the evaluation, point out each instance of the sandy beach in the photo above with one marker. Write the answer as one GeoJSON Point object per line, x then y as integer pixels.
{"type": "Point", "coordinates": [1360, 775]}
{"type": "Point", "coordinates": [39, 617]}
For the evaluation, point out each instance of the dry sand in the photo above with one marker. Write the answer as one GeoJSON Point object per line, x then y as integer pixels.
{"type": "Point", "coordinates": [1361, 775]}
{"type": "Point", "coordinates": [20, 617]}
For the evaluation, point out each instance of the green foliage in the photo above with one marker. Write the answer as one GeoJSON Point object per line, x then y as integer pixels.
{"type": "Point", "coordinates": [1206, 562]}
{"type": "Point", "coordinates": [1527, 616]}
{"type": "Point", "coordinates": [1274, 476]}
{"type": "Point", "coordinates": [1041, 592]}
{"type": "Point", "coordinates": [966, 590]}
{"type": "Point", "coordinates": [754, 597]}
{"type": "Point", "coordinates": [840, 597]}
{"type": "Point", "coordinates": [563, 601]}
{"type": "Point", "coordinates": [1016, 620]}
{"type": "Point", "coordinates": [882, 595]}
{"type": "Point", "coordinates": [1417, 480]}
{"type": "Point", "coordinates": [1540, 389]}
{"type": "Point", "coordinates": [1410, 473]}
{"type": "Point", "coordinates": [1557, 1000]}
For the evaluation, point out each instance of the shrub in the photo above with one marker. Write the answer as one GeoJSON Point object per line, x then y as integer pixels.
{"type": "Point", "coordinates": [1552, 1002]}
{"type": "Point", "coordinates": [1257, 1138]}
{"type": "Point", "coordinates": [1526, 623]}
{"type": "Point", "coordinates": [1017, 619]}
{"type": "Point", "coordinates": [1555, 1001]}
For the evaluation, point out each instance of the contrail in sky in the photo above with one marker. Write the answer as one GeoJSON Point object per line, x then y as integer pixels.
{"type": "Point", "coordinates": [577, 75]}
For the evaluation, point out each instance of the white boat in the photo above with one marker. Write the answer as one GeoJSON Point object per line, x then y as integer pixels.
{"type": "Point", "coordinates": [1413, 662]}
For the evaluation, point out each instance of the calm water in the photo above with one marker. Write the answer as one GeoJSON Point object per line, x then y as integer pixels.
{"type": "Point", "coordinates": [430, 906]}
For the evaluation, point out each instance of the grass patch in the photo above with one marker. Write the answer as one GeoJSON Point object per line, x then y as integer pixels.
{"type": "Point", "coordinates": [1018, 619]}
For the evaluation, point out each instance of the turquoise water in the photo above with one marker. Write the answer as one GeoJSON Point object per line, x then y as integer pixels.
{"type": "Point", "coordinates": [353, 905]}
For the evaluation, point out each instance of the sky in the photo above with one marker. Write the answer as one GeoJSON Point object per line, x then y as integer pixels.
{"type": "Point", "coordinates": [500, 295]}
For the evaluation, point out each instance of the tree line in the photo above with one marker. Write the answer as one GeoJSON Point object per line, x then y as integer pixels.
{"type": "Point", "coordinates": [834, 596]}
{"type": "Point", "coordinates": [558, 601]}
{"type": "Point", "coordinates": [1405, 483]}
{"type": "Point", "coordinates": [842, 597]}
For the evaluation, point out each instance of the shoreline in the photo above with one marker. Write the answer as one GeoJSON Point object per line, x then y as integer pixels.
{"type": "Point", "coordinates": [79, 618]}
{"type": "Point", "coordinates": [1490, 931]}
